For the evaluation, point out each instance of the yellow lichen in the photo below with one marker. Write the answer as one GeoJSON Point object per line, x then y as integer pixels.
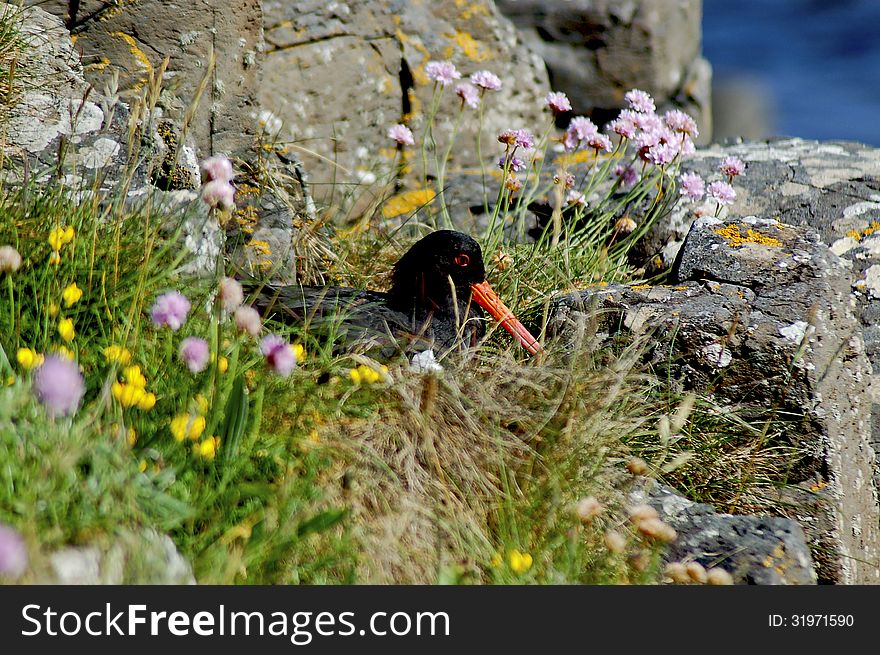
{"type": "Point", "coordinates": [138, 55]}
{"type": "Point", "coordinates": [407, 202]}
{"type": "Point", "coordinates": [735, 238]}
{"type": "Point", "coordinates": [468, 45]}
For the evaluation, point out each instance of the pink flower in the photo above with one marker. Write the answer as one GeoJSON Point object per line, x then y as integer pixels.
{"type": "Point", "coordinates": [558, 102]}
{"type": "Point", "coordinates": [486, 80]}
{"type": "Point", "coordinates": [692, 186]}
{"type": "Point", "coordinates": [721, 192]}
{"type": "Point", "coordinates": [627, 175]}
{"type": "Point", "coordinates": [442, 72]}
{"type": "Point", "coordinates": [731, 167]}
{"type": "Point", "coordinates": [195, 353]}
{"type": "Point", "coordinates": [217, 168]}
{"type": "Point", "coordinates": [600, 142]}
{"type": "Point", "coordinates": [640, 101]}
{"type": "Point", "coordinates": [231, 294]}
{"type": "Point", "coordinates": [624, 126]}
{"type": "Point", "coordinates": [567, 180]}
{"type": "Point", "coordinates": [514, 164]}
{"type": "Point", "coordinates": [580, 129]}
{"type": "Point", "coordinates": [219, 194]}
{"type": "Point", "coordinates": [678, 121]}
{"type": "Point", "coordinates": [59, 385]}
{"type": "Point", "coordinates": [10, 260]}
{"type": "Point", "coordinates": [661, 154]}
{"type": "Point", "coordinates": [13, 553]}
{"type": "Point", "coordinates": [279, 354]}
{"type": "Point", "coordinates": [247, 319]}
{"type": "Point", "coordinates": [646, 122]}
{"type": "Point", "coordinates": [524, 139]}
{"type": "Point", "coordinates": [469, 94]}
{"type": "Point", "coordinates": [402, 134]}
{"type": "Point", "coordinates": [170, 309]}
{"type": "Point", "coordinates": [575, 198]}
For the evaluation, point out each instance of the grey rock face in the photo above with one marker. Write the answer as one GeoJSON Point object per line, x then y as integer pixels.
{"type": "Point", "coordinates": [337, 75]}
{"type": "Point", "coordinates": [597, 50]}
{"type": "Point", "coordinates": [765, 550]}
{"type": "Point", "coordinates": [132, 39]}
{"type": "Point", "coordinates": [763, 314]}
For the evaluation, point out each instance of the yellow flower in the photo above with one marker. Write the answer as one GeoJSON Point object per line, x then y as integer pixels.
{"type": "Point", "coordinates": [300, 352]}
{"type": "Point", "coordinates": [56, 237]}
{"type": "Point", "coordinates": [65, 329]}
{"type": "Point", "coordinates": [223, 364]}
{"type": "Point", "coordinates": [131, 438]}
{"type": "Point", "coordinates": [117, 354]}
{"type": "Point", "coordinates": [65, 352]}
{"type": "Point", "coordinates": [10, 380]}
{"type": "Point", "coordinates": [71, 295]}
{"type": "Point", "coordinates": [207, 448]}
{"type": "Point", "coordinates": [128, 395]}
{"type": "Point", "coordinates": [55, 258]}
{"type": "Point", "coordinates": [142, 466]}
{"type": "Point", "coordinates": [184, 425]}
{"type": "Point", "coordinates": [201, 403]}
{"type": "Point", "coordinates": [28, 358]}
{"type": "Point", "coordinates": [367, 375]}
{"type": "Point", "coordinates": [519, 562]}
{"type": "Point", "coordinates": [53, 310]}
{"type": "Point", "coordinates": [147, 401]}
{"type": "Point", "coordinates": [68, 235]}
{"type": "Point", "coordinates": [134, 377]}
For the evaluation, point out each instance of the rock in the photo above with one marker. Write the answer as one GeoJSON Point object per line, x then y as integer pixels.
{"type": "Point", "coordinates": [765, 550]}
{"type": "Point", "coordinates": [131, 39]}
{"type": "Point", "coordinates": [763, 314]}
{"type": "Point", "coordinates": [597, 50]}
{"type": "Point", "coordinates": [374, 54]}
{"type": "Point", "coordinates": [144, 557]}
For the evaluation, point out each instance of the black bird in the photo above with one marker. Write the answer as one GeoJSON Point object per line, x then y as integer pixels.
{"type": "Point", "coordinates": [438, 289]}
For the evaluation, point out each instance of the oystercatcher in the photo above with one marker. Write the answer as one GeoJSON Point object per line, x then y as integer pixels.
{"type": "Point", "coordinates": [437, 295]}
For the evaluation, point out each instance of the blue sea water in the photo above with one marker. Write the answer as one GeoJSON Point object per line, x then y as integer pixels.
{"type": "Point", "coordinates": [819, 59]}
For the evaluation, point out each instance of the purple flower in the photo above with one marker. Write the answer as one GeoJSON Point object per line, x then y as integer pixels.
{"type": "Point", "coordinates": [514, 164]}
{"type": "Point", "coordinates": [217, 168]}
{"type": "Point", "coordinates": [59, 385]}
{"type": "Point", "coordinates": [580, 128]}
{"type": "Point", "coordinates": [557, 101]}
{"type": "Point", "coordinates": [645, 122]}
{"type": "Point", "coordinates": [627, 175]}
{"type": "Point", "coordinates": [486, 80]}
{"type": "Point", "coordinates": [442, 72]}
{"type": "Point", "coordinates": [279, 354]}
{"type": "Point", "coordinates": [469, 94]}
{"type": "Point", "coordinates": [402, 134]}
{"type": "Point", "coordinates": [195, 353]}
{"type": "Point", "coordinates": [231, 294]}
{"type": "Point", "coordinates": [640, 101]}
{"type": "Point", "coordinates": [678, 121]}
{"type": "Point", "coordinates": [247, 319]}
{"type": "Point", "coordinates": [219, 194]}
{"type": "Point", "coordinates": [170, 309]}
{"type": "Point", "coordinates": [600, 142]}
{"type": "Point", "coordinates": [731, 167]}
{"type": "Point", "coordinates": [524, 139]}
{"type": "Point", "coordinates": [661, 154]}
{"type": "Point", "coordinates": [13, 553]}
{"type": "Point", "coordinates": [692, 186]}
{"type": "Point", "coordinates": [721, 192]}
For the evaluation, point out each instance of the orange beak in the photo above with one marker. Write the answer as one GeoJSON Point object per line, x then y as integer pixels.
{"type": "Point", "coordinates": [486, 298]}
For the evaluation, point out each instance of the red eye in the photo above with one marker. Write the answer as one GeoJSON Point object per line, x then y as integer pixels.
{"type": "Point", "coordinates": [462, 260]}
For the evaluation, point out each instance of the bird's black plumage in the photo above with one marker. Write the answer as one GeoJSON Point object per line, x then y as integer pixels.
{"type": "Point", "coordinates": [429, 303]}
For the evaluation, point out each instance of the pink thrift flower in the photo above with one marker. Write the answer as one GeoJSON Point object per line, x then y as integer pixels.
{"type": "Point", "coordinates": [557, 101]}
{"type": "Point", "coordinates": [678, 121]}
{"type": "Point", "coordinates": [10, 260]}
{"type": "Point", "coordinates": [402, 134]}
{"type": "Point", "coordinates": [59, 385]}
{"type": "Point", "coordinates": [567, 181]}
{"type": "Point", "coordinates": [576, 198]}
{"type": "Point", "coordinates": [13, 553]}
{"type": "Point", "coordinates": [279, 354]}
{"type": "Point", "coordinates": [486, 80]}
{"type": "Point", "coordinates": [524, 139]}
{"type": "Point", "coordinates": [627, 175]}
{"type": "Point", "coordinates": [469, 94]}
{"type": "Point", "coordinates": [219, 194]}
{"type": "Point", "coordinates": [640, 101]}
{"type": "Point", "coordinates": [692, 186]}
{"type": "Point", "coordinates": [195, 353]}
{"type": "Point", "coordinates": [721, 192]}
{"type": "Point", "coordinates": [732, 166]}
{"type": "Point", "coordinates": [247, 319]}
{"type": "Point", "coordinates": [231, 294]}
{"type": "Point", "coordinates": [623, 126]}
{"type": "Point", "coordinates": [170, 309]}
{"type": "Point", "coordinates": [646, 122]}
{"type": "Point", "coordinates": [514, 164]}
{"type": "Point", "coordinates": [442, 72]}
{"type": "Point", "coordinates": [600, 142]}
{"type": "Point", "coordinates": [217, 168]}
{"type": "Point", "coordinates": [661, 154]}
